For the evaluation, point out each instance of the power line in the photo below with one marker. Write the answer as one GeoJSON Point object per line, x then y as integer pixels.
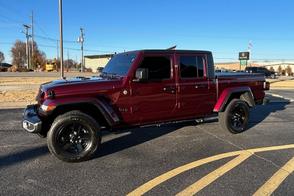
{"type": "Point", "coordinates": [76, 49]}
{"type": "Point", "coordinates": [40, 28]}
{"type": "Point", "coordinates": [53, 39]}
{"type": "Point", "coordinates": [104, 51]}
{"type": "Point", "coordinates": [10, 19]}
{"type": "Point", "coordinates": [10, 9]}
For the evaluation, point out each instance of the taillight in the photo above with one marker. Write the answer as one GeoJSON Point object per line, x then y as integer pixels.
{"type": "Point", "coordinates": [266, 85]}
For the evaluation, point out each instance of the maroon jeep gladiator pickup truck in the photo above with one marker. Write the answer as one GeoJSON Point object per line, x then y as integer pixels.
{"type": "Point", "coordinates": [146, 87]}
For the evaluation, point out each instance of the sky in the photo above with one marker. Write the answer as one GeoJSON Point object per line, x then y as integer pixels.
{"type": "Point", "coordinates": [225, 27]}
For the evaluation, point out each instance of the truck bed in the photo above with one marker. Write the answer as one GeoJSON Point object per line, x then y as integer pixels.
{"type": "Point", "coordinates": [239, 79]}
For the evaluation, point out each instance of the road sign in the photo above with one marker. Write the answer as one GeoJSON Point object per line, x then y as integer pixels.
{"type": "Point", "coordinates": [244, 55]}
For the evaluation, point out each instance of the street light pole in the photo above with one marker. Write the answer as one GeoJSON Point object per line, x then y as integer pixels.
{"type": "Point", "coordinates": [27, 44]}
{"type": "Point", "coordinates": [61, 39]}
{"type": "Point", "coordinates": [33, 40]}
{"type": "Point", "coordinates": [81, 41]}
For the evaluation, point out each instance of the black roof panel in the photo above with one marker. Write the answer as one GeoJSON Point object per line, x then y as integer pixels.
{"type": "Point", "coordinates": [168, 51]}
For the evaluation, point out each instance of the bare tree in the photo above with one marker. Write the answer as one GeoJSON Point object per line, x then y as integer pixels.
{"type": "Point", "coordinates": [39, 57]}
{"type": "Point", "coordinates": [18, 53]}
{"type": "Point", "coordinates": [280, 70]}
{"type": "Point", "coordinates": [2, 58]}
{"type": "Point", "coordinates": [70, 64]}
{"type": "Point", "coordinates": [289, 70]}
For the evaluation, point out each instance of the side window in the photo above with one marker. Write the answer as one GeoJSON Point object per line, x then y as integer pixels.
{"type": "Point", "coordinates": [200, 66]}
{"type": "Point", "coordinates": [192, 66]}
{"type": "Point", "coordinates": [188, 67]}
{"type": "Point", "coordinates": [159, 67]}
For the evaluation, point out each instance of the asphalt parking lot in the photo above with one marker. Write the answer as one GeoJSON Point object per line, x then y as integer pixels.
{"type": "Point", "coordinates": [179, 159]}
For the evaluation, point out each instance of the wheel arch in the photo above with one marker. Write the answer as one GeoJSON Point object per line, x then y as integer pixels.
{"type": "Point", "coordinates": [243, 93]}
{"type": "Point", "coordinates": [100, 110]}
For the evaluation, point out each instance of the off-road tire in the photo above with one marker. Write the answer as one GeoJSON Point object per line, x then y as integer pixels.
{"type": "Point", "coordinates": [74, 118]}
{"type": "Point", "coordinates": [227, 120]}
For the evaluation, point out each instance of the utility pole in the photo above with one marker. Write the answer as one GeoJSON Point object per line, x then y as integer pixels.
{"type": "Point", "coordinates": [26, 32]}
{"type": "Point", "coordinates": [57, 50]}
{"type": "Point", "coordinates": [81, 41]}
{"type": "Point", "coordinates": [33, 40]}
{"type": "Point", "coordinates": [67, 64]}
{"type": "Point", "coordinates": [61, 39]}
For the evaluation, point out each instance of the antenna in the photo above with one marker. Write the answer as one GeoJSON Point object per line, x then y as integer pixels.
{"type": "Point", "coordinates": [172, 48]}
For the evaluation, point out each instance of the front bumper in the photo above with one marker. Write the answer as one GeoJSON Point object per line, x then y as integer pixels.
{"type": "Point", "coordinates": [31, 121]}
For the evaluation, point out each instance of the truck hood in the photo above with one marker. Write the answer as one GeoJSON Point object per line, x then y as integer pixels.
{"type": "Point", "coordinates": [81, 85]}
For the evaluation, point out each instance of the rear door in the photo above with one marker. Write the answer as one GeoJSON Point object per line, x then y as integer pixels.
{"type": "Point", "coordinates": [155, 100]}
{"type": "Point", "coordinates": [196, 92]}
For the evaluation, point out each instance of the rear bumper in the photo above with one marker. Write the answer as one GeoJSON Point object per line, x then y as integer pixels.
{"type": "Point", "coordinates": [31, 121]}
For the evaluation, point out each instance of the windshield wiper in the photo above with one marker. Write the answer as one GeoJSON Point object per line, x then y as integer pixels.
{"type": "Point", "coordinates": [110, 75]}
{"type": "Point", "coordinates": [103, 74]}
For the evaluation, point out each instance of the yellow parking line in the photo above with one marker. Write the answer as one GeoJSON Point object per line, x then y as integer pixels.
{"type": "Point", "coordinates": [168, 175]}
{"type": "Point", "coordinates": [172, 173]}
{"type": "Point", "coordinates": [211, 177]}
{"type": "Point", "coordinates": [274, 182]}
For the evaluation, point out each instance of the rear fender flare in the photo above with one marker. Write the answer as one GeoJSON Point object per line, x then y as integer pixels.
{"type": "Point", "coordinates": [245, 95]}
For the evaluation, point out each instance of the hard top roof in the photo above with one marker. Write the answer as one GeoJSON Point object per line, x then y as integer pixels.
{"type": "Point", "coordinates": [169, 51]}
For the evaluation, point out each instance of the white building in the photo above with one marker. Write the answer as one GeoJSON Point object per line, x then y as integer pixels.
{"type": "Point", "coordinates": [97, 61]}
{"type": "Point", "coordinates": [267, 64]}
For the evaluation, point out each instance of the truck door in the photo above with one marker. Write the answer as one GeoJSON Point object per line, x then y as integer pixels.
{"type": "Point", "coordinates": [155, 99]}
{"type": "Point", "coordinates": [196, 92]}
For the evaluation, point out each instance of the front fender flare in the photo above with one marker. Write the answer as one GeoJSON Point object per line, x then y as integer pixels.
{"type": "Point", "coordinates": [99, 103]}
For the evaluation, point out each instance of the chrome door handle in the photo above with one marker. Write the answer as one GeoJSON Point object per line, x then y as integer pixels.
{"type": "Point", "coordinates": [200, 86]}
{"type": "Point", "coordinates": [169, 90]}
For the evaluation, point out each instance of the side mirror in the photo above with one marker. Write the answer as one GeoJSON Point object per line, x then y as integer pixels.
{"type": "Point", "coordinates": [141, 75]}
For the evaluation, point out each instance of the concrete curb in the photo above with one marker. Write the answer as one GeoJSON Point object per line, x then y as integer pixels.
{"type": "Point", "coordinates": [285, 99]}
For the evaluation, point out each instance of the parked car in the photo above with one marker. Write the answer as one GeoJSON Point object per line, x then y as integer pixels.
{"type": "Point", "coordinates": [221, 70]}
{"type": "Point", "coordinates": [138, 88]}
{"type": "Point", "coordinates": [262, 70]}
{"type": "Point", "coordinates": [4, 66]}
{"type": "Point", "coordinates": [100, 69]}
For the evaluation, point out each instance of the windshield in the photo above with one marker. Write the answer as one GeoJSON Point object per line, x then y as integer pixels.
{"type": "Point", "coordinates": [120, 64]}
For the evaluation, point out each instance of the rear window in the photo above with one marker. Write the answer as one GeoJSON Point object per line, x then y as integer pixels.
{"type": "Point", "coordinates": [192, 66]}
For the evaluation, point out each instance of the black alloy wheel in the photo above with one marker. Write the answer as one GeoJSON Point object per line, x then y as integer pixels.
{"type": "Point", "coordinates": [238, 117]}
{"type": "Point", "coordinates": [74, 137]}
{"type": "Point", "coordinates": [235, 117]}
